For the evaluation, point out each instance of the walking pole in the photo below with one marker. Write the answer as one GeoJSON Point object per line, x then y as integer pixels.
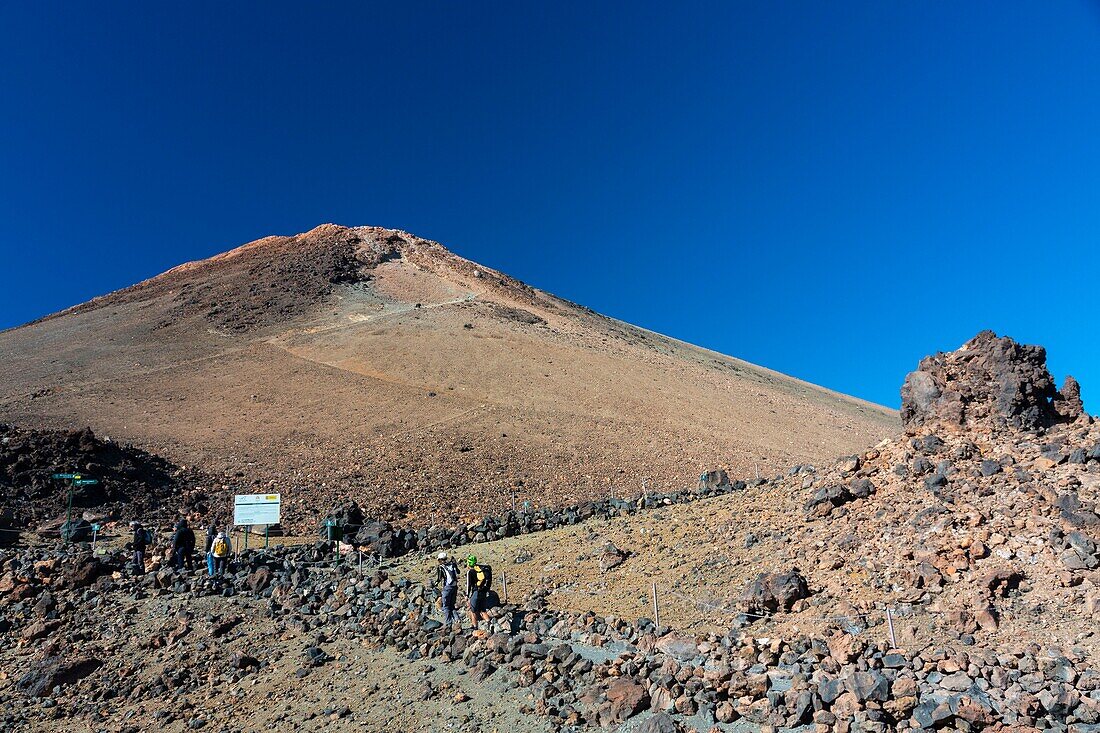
{"type": "Point", "coordinates": [95, 529]}
{"type": "Point", "coordinates": [504, 580]}
{"type": "Point", "coordinates": [890, 627]}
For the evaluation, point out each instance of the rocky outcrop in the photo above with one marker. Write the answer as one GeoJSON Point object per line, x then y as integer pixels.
{"type": "Point", "coordinates": [127, 476]}
{"type": "Point", "coordinates": [990, 380]}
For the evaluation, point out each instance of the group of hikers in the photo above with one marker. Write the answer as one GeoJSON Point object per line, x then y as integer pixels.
{"type": "Point", "coordinates": [217, 548]}
{"type": "Point", "coordinates": [479, 589]}
{"type": "Point", "coordinates": [181, 550]}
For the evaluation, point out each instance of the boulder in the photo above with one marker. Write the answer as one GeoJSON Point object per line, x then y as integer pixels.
{"type": "Point", "coordinates": [84, 573]}
{"type": "Point", "coordinates": [259, 580]}
{"type": "Point", "coordinates": [679, 647]}
{"type": "Point", "coordinates": [611, 557]}
{"type": "Point", "coordinates": [714, 479]}
{"type": "Point", "coordinates": [53, 672]}
{"type": "Point", "coordinates": [772, 592]}
{"type": "Point", "coordinates": [627, 698]}
{"type": "Point", "coordinates": [660, 723]}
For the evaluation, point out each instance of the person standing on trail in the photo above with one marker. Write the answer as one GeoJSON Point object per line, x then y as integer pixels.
{"type": "Point", "coordinates": [479, 580]}
{"type": "Point", "coordinates": [219, 554]}
{"type": "Point", "coordinates": [183, 545]}
{"type": "Point", "coordinates": [211, 534]}
{"type": "Point", "coordinates": [139, 544]}
{"type": "Point", "coordinates": [446, 577]}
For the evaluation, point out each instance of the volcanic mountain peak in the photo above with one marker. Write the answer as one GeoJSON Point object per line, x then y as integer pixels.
{"type": "Point", "coordinates": [372, 364]}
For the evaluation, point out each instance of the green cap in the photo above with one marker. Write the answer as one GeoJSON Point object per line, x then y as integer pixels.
{"type": "Point", "coordinates": [471, 561]}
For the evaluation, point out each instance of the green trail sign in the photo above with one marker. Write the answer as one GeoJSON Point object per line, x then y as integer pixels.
{"type": "Point", "coordinates": [75, 479]}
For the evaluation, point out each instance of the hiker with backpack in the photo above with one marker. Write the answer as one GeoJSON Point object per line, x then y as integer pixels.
{"type": "Point", "coordinates": [142, 539]}
{"type": "Point", "coordinates": [479, 581]}
{"type": "Point", "coordinates": [211, 534]}
{"type": "Point", "coordinates": [446, 577]}
{"type": "Point", "coordinates": [219, 554]}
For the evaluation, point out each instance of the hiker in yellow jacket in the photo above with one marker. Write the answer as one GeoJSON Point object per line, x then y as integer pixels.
{"type": "Point", "coordinates": [479, 580]}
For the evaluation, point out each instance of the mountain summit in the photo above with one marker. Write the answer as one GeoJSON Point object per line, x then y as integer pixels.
{"type": "Point", "coordinates": [370, 363]}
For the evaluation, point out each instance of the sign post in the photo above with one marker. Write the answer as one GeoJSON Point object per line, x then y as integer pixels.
{"type": "Point", "coordinates": [253, 509]}
{"type": "Point", "coordinates": [74, 479]}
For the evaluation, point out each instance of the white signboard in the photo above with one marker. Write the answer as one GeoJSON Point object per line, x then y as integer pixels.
{"type": "Point", "coordinates": [250, 509]}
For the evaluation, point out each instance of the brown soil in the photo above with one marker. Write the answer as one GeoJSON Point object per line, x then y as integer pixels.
{"type": "Point", "coordinates": [370, 364]}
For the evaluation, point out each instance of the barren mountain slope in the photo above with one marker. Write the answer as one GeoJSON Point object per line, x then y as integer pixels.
{"type": "Point", "coordinates": [370, 363]}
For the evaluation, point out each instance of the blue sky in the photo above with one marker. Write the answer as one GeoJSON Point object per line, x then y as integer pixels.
{"type": "Point", "coordinates": [831, 190]}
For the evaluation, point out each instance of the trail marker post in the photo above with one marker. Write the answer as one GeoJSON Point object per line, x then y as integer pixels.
{"type": "Point", "coordinates": [74, 479]}
{"type": "Point", "coordinates": [656, 608]}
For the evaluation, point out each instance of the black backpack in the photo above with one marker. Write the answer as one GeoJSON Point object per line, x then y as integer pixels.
{"type": "Point", "coordinates": [483, 577]}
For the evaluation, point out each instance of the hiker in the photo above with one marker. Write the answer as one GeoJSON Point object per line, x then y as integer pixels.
{"type": "Point", "coordinates": [479, 580]}
{"type": "Point", "coordinates": [211, 534]}
{"type": "Point", "coordinates": [446, 576]}
{"type": "Point", "coordinates": [219, 554]}
{"type": "Point", "coordinates": [142, 539]}
{"type": "Point", "coordinates": [183, 545]}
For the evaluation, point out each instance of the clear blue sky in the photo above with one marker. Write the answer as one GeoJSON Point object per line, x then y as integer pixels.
{"type": "Point", "coordinates": [829, 189]}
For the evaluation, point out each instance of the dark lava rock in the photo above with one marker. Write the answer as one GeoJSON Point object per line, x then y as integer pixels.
{"type": "Point", "coordinates": [86, 572]}
{"type": "Point", "coordinates": [128, 478]}
{"type": "Point", "coordinates": [315, 656]}
{"type": "Point", "coordinates": [56, 672]}
{"type": "Point", "coordinates": [989, 467]}
{"type": "Point", "coordinates": [659, 723]}
{"type": "Point", "coordinates": [990, 380]}
{"type": "Point", "coordinates": [772, 592]}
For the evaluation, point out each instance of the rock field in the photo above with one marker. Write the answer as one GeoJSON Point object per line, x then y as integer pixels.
{"type": "Point", "coordinates": [976, 528]}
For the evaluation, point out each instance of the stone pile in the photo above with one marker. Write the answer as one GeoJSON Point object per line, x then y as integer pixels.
{"type": "Point", "coordinates": [383, 539]}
